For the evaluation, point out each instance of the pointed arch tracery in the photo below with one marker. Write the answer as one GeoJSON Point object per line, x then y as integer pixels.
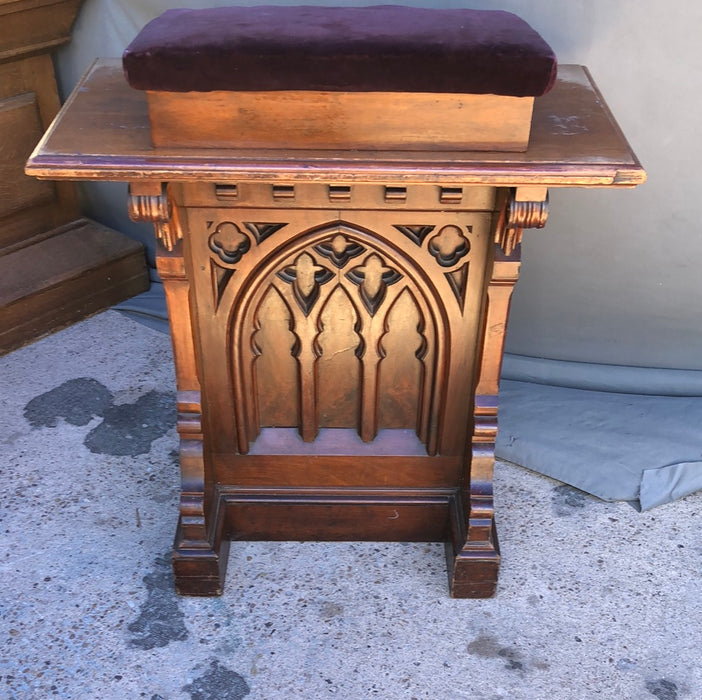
{"type": "Point", "coordinates": [344, 299]}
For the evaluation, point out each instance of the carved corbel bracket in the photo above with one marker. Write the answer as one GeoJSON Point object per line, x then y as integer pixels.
{"type": "Point", "coordinates": [144, 205]}
{"type": "Point", "coordinates": [526, 208]}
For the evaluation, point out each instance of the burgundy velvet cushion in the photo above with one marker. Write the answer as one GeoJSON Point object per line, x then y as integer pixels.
{"type": "Point", "coordinates": [366, 49]}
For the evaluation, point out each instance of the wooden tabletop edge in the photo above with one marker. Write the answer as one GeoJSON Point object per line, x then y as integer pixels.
{"type": "Point", "coordinates": [552, 175]}
{"type": "Point", "coordinates": [462, 168]}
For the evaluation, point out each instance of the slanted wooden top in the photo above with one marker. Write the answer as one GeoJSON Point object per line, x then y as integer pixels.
{"type": "Point", "coordinates": [103, 133]}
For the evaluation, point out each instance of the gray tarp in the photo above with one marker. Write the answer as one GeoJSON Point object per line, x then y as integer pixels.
{"type": "Point", "coordinates": [616, 446]}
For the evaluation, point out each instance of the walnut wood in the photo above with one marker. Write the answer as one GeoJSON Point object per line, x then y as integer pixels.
{"type": "Point", "coordinates": [338, 319]}
{"type": "Point", "coordinates": [28, 102]}
{"type": "Point", "coordinates": [34, 26]}
{"type": "Point", "coordinates": [82, 269]}
{"type": "Point", "coordinates": [339, 120]}
{"type": "Point", "coordinates": [19, 115]}
{"type": "Point", "coordinates": [574, 141]}
{"type": "Point", "coordinates": [276, 517]}
{"type": "Point", "coordinates": [55, 267]}
{"type": "Point", "coordinates": [328, 471]}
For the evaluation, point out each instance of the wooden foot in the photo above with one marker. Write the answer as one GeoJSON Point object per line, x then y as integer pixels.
{"type": "Point", "coordinates": [200, 572]}
{"type": "Point", "coordinates": [473, 573]}
{"type": "Point", "coordinates": [473, 564]}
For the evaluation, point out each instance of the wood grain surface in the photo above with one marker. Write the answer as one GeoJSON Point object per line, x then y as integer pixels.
{"type": "Point", "coordinates": [337, 316]}
{"type": "Point", "coordinates": [104, 134]}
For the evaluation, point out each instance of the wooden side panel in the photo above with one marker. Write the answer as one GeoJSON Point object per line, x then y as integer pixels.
{"type": "Point", "coordinates": [171, 269]}
{"type": "Point", "coordinates": [195, 534]}
{"type": "Point", "coordinates": [55, 267]}
{"type": "Point", "coordinates": [28, 102]}
{"type": "Point", "coordinates": [29, 26]}
{"type": "Point", "coordinates": [82, 269]}
{"type": "Point", "coordinates": [20, 130]}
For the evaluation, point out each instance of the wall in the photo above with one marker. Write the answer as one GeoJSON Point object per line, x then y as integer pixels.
{"type": "Point", "coordinates": [614, 277]}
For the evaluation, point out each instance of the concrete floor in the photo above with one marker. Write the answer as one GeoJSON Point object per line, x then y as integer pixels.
{"type": "Point", "coordinates": [595, 599]}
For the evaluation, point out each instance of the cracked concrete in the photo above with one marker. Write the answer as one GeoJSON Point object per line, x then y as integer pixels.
{"type": "Point", "coordinates": [594, 600]}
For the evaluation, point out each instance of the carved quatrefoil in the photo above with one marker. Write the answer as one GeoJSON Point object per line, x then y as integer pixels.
{"type": "Point", "coordinates": [229, 242]}
{"type": "Point", "coordinates": [449, 245]}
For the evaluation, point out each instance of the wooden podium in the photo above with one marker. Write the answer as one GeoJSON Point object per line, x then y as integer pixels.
{"type": "Point", "coordinates": [338, 318]}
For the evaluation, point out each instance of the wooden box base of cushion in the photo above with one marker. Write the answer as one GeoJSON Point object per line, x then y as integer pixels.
{"type": "Point", "coordinates": [340, 120]}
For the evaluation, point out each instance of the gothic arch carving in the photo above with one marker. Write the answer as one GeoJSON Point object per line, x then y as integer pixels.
{"type": "Point", "coordinates": [358, 277]}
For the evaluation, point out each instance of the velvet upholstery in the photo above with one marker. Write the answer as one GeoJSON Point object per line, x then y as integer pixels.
{"type": "Point", "coordinates": [386, 48]}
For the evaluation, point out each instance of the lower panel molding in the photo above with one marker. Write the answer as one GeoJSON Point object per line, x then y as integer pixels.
{"type": "Point", "coordinates": [376, 515]}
